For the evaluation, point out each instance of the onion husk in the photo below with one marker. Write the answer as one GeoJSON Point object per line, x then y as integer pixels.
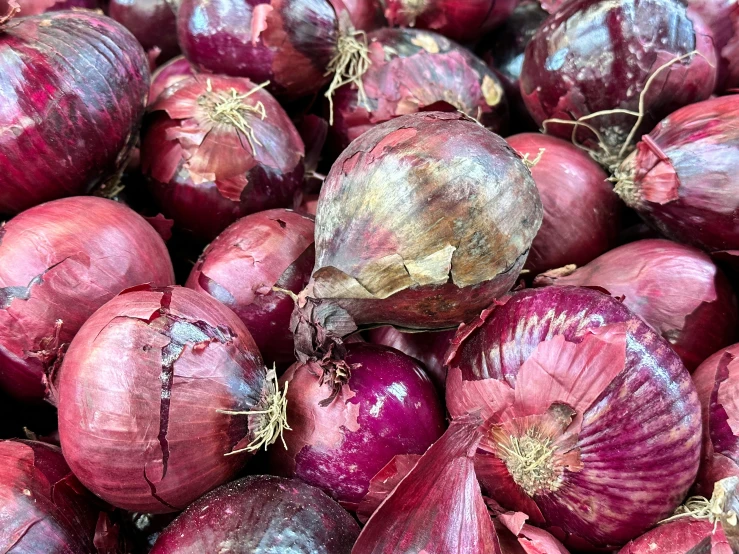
{"type": "Point", "coordinates": [152, 22]}
{"type": "Point", "coordinates": [167, 74]}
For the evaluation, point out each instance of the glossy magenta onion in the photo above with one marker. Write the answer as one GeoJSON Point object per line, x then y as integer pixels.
{"type": "Point", "coordinates": [681, 177]}
{"type": "Point", "coordinates": [59, 262]}
{"type": "Point", "coordinates": [73, 108]}
{"type": "Point", "coordinates": [152, 22]}
{"type": "Point", "coordinates": [387, 406]}
{"type": "Point", "coordinates": [166, 75]}
{"type": "Point", "coordinates": [261, 514]}
{"type": "Point", "coordinates": [676, 289]}
{"type": "Point", "coordinates": [422, 221]}
{"type": "Point", "coordinates": [36, 7]}
{"type": "Point", "coordinates": [592, 421]}
{"type": "Point", "coordinates": [142, 395]}
{"type": "Point", "coordinates": [219, 148]}
{"type": "Point", "coordinates": [243, 266]}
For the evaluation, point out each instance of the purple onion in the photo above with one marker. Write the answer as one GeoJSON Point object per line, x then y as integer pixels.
{"type": "Point", "coordinates": [152, 22]}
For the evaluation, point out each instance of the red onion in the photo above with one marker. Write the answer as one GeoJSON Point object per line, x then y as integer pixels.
{"type": "Point", "coordinates": [365, 15]}
{"type": "Point", "coordinates": [581, 213]}
{"type": "Point", "coordinates": [681, 176]}
{"type": "Point", "coordinates": [341, 437]}
{"type": "Point", "coordinates": [595, 59]}
{"type": "Point", "coordinates": [59, 262]}
{"type": "Point", "coordinates": [246, 262]}
{"type": "Point", "coordinates": [261, 514]}
{"type": "Point", "coordinates": [422, 221]}
{"type": "Point", "coordinates": [35, 7]}
{"type": "Point", "coordinates": [676, 289]}
{"type": "Point", "coordinates": [71, 120]}
{"type": "Point", "coordinates": [149, 396]}
{"type": "Point", "coordinates": [415, 71]}
{"type": "Point", "coordinates": [217, 149]}
{"type": "Point", "coordinates": [152, 22]}
{"type": "Point", "coordinates": [461, 20]}
{"type": "Point", "coordinates": [593, 423]}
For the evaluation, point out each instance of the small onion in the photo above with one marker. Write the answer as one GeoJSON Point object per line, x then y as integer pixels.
{"type": "Point", "coordinates": [149, 393]}
{"type": "Point", "coordinates": [422, 221]}
{"type": "Point", "coordinates": [592, 421]}
{"type": "Point", "coordinates": [581, 213]}
{"type": "Point", "coordinates": [261, 514]}
{"type": "Point", "coordinates": [681, 178]}
{"type": "Point", "coordinates": [219, 148]}
{"type": "Point", "coordinates": [59, 262]}
{"type": "Point", "coordinates": [152, 22]}
{"type": "Point", "coordinates": [166, 75]}
{"type": "Point", "coordinates": [36, 7]}
{"type": "Point", "coordinates": [72, 119]}
{"type": "Point", "coordinates": [246, 262]}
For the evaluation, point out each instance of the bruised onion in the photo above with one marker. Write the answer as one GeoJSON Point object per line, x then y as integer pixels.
{"type": "Point", "coordinates": [261, 514]}
{"type": "Point", "coordinates": [341, 434]}
{"type": "Point", "coordinates": [415, 71]}
{"type": "Point", "coordinates": [72, 114]}
{"type": "Point", "coordinates": [150, 394]}
{"type": "Point", "coordinates": [247, 262]}
{"type": "Point", "coordinates": [219, 148]}
{"type": "Point", "coordinates": [422, 221]}
{"type": "Point", "coordinates": [581, 213]}
{"type": "Point", "coordinates": [152, 22]}
{"type": "Point", "coordinates": [592, 421]}
{"type": "Point", "coordinates": [59, 262]}
{"type": "Point", "coordinates": [676, 289]}
{"type": "Point", "coordinates": [681, 178]}
{"type": "Point", "coordinates": [35, 7]}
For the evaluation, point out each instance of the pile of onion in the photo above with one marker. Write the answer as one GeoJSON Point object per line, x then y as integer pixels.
{"type": "Point", "coordinates": [59, 262]}
{"type": "Point", "coordinates": [261, 514]}
{"type": "Point", "coordinates": [592, 423]}
{"type": "Point", "coordinates": [414, 71]}
{"type": "Point", "coordinates": [676, 289]}
{"type": "Point", "coordinates": [219, 148]}
{"type": "Point", "coordinates": [35, 7]}
{"type": "Point", "coordinates": [163, 396]}
{"type": "Point", "coordinates": [152, 22]}
{"type": "Point", "coordinates": [681, 178]}
{"type": "Point", "coordinates": [247, 264]}
{"type": "Point", "coordinates": [422, 221]}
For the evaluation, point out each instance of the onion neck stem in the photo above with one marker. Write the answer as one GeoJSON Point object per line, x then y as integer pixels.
{"type": "Point", "coordinates": [348, 66]}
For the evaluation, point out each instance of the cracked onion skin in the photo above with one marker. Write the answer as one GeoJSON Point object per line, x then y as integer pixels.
{"type": "Point", "coordinates": [241, 266]}
{"type": "Point", "coordinates": [139, 391]}
{"type": "Point", "coordinates": [73, 107]}
{"type": "Point", "coordinates": [422, 221]}
{"type": "Point", "coordinates": [586, 387]}
{"type": "Point", "coordinates": [61, 261]}
{"type": "Point", "coordinates": [261, 515]}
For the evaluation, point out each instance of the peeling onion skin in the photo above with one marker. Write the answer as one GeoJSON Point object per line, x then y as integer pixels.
{"type": "Point", "coordinates": [676, 289]}
{"type": "Point", "coordinates": [413, 71]}
{"type": "Point", "coordinates": [261, 515]}
{"type": "Point", "coordinates": [542, 354]}
{"type": "Point", "coordinates": [389, 407]}
{"type": "Point", "coordinates": [581, 213]}
{"type": "Point", "coordinates": [152, 22]}
{"type": "Point", "coordinates": [389, 189]}
{"type": "Point", "coordinates": [594, 55]}
{"type": "Point", "coordinates": [240, 267]}
{"type": "Point", "coordinates": [682, 176]}
{"type": "Point", "coordinates": [139, 391]}
{"type": "Point", "coordinates": [36, 7]}
{"type": "Point", "coordinates": [62, 261]}
{"type": "Point", "coordinates": [680, 537]}
{"type": "Point", "coordinates": [204, 173]}
{"type": "Point", "coordinates": [76, 103]}
{"type": "Point", "coordinates": [175, 70]}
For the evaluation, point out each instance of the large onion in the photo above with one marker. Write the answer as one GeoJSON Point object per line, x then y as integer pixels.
{"type": "Point", "coordinates": [72, 110]}
{"type": "Point", "coordinates": [152, 22]}
{"type": "Point", "coordinates": [59, 262]}
{"type": "Point", "coordinates": [142, 395]}
{"type": "Point", "coordinates": [593, 421]}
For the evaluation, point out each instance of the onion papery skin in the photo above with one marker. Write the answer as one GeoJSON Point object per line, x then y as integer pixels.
{"type": "Point", "coordinates": [139, 391]}
{"type": "Point", "coordinates": [422, 221]}
{"type": "Point", "coordinates": [676, 289]}
{"type": "Point", "coordinates": [240, 268]}
{"type": "Point", "coordinates": [581, 213]}
{"type": "Point", "coordinates": [574, 367]}
{"type": "Point", "coordinates": [152, 22]}
{"type": "Point", "coordinates": [36, 7]}
{"type": "Point", "coordinates": [681, 177]}
{"type": "Point", "coordinates": [462, 20]}
{"type": "Point", "coordinates": [364, 15]}
{"type": "Point", "coordinates": [175, 70]}
{"type": "Point", "coordinates": [59, 262]}
{"type": "Point", "coordinates": [594, 55]}
{"type": "Point", "coordinates": [73, 108]}
{"type": "Point", "coordinates": [680, 537]}
{"type": "Point", "coordinates": [730, 51]}
{"type": "Point", "coordinates": [261, 514]}
{"type": "Point", "coordinates": [388, 407]}
{"type": "Point", "coordinates": [414, 71]}
{"type": "Point", "coordinates": [206, 173]}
